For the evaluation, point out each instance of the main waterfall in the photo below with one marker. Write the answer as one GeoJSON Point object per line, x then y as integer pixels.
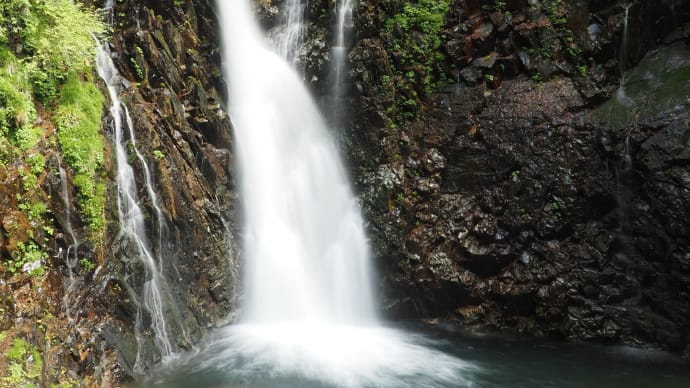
{"type": "Point", "coordinates": [308, 316]}
{"type": "Point", "coordinates": [305, 251]}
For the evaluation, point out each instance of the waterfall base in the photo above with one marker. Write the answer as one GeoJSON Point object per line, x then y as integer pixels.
{"type": "Point", "coordinates": [320, 356]}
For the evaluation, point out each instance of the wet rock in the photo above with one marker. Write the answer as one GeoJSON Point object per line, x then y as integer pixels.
{"type": "Point", "coordinates": [546, 219]}
{"type": "Point", "coordinates": [471, 75]}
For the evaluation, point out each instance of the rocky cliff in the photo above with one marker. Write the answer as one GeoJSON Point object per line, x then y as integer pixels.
{"type": "Point", "coordinates": [531, 192]}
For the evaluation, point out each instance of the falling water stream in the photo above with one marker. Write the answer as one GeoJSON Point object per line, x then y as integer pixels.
{"type": "Point", "coordinates": [624, 40]}
{"type": "Point", "coordinates": [155, 298]}
{"type": "Point", "coordinates": [71, 254]}
{"type": "Point", "coordinates": [621, 96]}
{"type": "Point", "coordinates": [308, 310]}
{"type": "Point", "coordinates": [288, 35]}
{"type": "Point", "coordinates": [338, 61]}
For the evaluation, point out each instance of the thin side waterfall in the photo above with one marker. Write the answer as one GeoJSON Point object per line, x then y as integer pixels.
{"type": "Point", "coordinates": [155, 298]}
{"type": "Point", "coordinates": [621, 96]}
{"type": "Point", "coordinates": [623, 171]}
{"type": "Point", "coordinates": [287, 37]}
{"type": "Point", "coordinates": [109, 7]}
{"type": "Point", "coordinates": [71, 255]}
{"type": "Point", "coordinates": [674, 12]}
{"type": "Point", "coordinates": [308, 315]}
{"type": "Point", "coordinates": [339, 53]}
{"type": "Point", "coordinates": [623, 177]}
{"type": "Point", "coordinates": [148, 184]}
{"type": "Point", "coordinates": [624, 42]}
{"type": "Point", "coordinates": [161, 237]}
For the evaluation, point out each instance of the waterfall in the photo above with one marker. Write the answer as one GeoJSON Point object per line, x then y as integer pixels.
{"type": "Point", "coordinates": [624, 172]}
{"type": "Point", "coordinates": [287, 37]}
{"type": "Point", "coordinates": [155, 299]}
{"type": "Point", "coordinates": [306, 254]}
{"type": "Point", "coordinates": [338, 53]}
{"type": "Point", "coordinates": [624, 42]}
{"type": "Point", "coordinates": [674, 12]}
{"type": "Point", "coordinates": [109, 7]}
{"type": "Point", "coordinates": [71, 255]}
{"type": "Point", "coordinates": [621, 95]}
{"type": "Point", "coordinates": [308, 306]}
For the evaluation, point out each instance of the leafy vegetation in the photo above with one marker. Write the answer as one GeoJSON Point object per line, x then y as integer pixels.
{"type": "Point", "coordinates": [52, 37]}
{"type": "Point", "coordinates": [414, 45]}
{"type": "Point", "coordinates": [25, 364]}
{"type": "Point", "coordinates": [46, 54]}
{"type": "Point", "coordinates": [18, 112]}
{"type": "Point", "coordinates": [78, 120]}
{"type": "Point", "coordinates": [87, 264]}
{"type": "Point", "coordinates": [556, 10]}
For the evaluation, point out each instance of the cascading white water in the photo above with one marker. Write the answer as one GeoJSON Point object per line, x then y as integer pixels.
{"type": "Point", "coordinates": [109, 8]}
{"type": "Point", "coordinates": [338, 64]}
{"type": "Point", "coordinates": [308, 308]}
{"type": "Point", "coordinates": [155, 297]}
{"type": "Point", "coordinates": [621, 95]}
{"type": "Point", "coordinates": [71, 255]}
{"type": "Point", "coordinates": [305, 248]}
{"type": "Point", "coordinates": [624, 41]}
{"type": "Point", "coordinates": [339, 49]}
{"type": "Point", "coordinates": [287, 36]}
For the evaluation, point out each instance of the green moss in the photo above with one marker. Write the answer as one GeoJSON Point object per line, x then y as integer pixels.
{"type": "Point", "coordinates": [657, 84]}
{"type": "Point", "coordinates": [78, 123]}
{"type": "Point", "coordinates": [137, 69]}
{"type": "Point", "coordinates": [27, 253]}
{"type": "Point", "coordinates": [414, 46]}
{"type": "Point", "coordinates": [17, 350]}
{"type": "Point", "coordinates": [17, 111]}
{"type": "Point", "coordinates": [55, 38]}
{"type": "Point", "coordinates": [43, 45]}
{"type": "Point", "coordinates": [557, 11]}
{"type": "Point", "coordinates": [36, 162]}
{"type": "Point", "coordinates": [25, 364]}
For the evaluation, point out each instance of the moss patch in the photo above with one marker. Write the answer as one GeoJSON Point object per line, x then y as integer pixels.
{"type": "Point", "coordinates": [25, 365]}
{"type": "Point", "coordinates": [78, 123]}
{"type": "Point", "coordinates": [414, 46]}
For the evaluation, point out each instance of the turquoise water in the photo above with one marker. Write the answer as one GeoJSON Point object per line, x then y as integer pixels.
{"type": "Point", "coordinates": [489, 361]}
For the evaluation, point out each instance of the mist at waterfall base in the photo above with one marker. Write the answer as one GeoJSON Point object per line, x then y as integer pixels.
{"type": "Point", "coordinates": [307, 317]}
{"type": "Point", "coordinates": [494, 361]}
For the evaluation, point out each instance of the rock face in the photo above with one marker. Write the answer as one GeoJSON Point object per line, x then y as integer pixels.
{"type": "Point", "coordinates": [170, 56]}
{"type": "Point", "coordinates": [530, 193]}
